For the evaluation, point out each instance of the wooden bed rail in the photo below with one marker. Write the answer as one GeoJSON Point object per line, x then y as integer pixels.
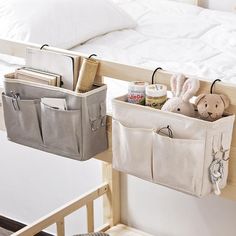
{"type": "Point", "coordinates": [57, 217]}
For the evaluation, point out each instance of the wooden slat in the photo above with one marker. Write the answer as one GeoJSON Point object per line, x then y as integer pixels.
{"type": "Point", "coordinates": [120, 71]}
{"type": "Point", "coordinates": [62, 212]}
{"type": "Point", "coordinates": [18, 48]}
{"type": "Point", "coordinates": [111, 201]}
{"type": "Point", "coordinates": [60, 227]}
{"type": "Point", "coordinates": [90, 216]}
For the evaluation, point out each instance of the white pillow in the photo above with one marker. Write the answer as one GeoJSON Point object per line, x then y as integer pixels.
{"type": "Point", "coordinates": [60, 23]}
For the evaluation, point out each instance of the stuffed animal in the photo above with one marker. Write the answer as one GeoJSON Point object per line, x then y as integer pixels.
{"type": "Point", "coordinates": [211, 106]}
{"type": "Point", "coordinates": [183, 90]}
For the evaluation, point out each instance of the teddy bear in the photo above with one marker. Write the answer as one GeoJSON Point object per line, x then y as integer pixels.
{"type": "Point", "coordinates": [211, 106]}
{"type": "Point", "coordinates": [183, 89]}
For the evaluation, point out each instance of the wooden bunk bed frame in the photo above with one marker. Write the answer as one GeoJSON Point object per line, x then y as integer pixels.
{"type": "Point", "coordinates": [110, 188]}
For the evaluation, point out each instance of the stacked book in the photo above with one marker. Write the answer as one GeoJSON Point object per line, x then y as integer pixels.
{"type": "Point", "coordinates": [38, 76]}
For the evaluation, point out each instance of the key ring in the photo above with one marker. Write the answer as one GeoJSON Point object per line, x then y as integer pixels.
{"type": "Point", "coordinates": [170, 132]}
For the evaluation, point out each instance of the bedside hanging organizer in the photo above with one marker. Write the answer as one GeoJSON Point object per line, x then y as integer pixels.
{"type": "Point", "coordinates": [180, 152]}
{"type": "Point", "coordinates": [78, 132]}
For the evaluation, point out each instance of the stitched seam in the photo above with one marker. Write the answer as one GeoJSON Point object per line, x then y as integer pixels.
{"type": "Point", "coordinates": [204, 164]}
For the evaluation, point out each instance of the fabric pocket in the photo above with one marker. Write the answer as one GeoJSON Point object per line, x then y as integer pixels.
{"type": "Point", "coordinates": [22, 120]}
{"type": "Point", "coordinates": [178, 163]}
{"type": "Point", "coordinates": [61, 130]}
{"type": "Point", "coordinates": [132, 150]}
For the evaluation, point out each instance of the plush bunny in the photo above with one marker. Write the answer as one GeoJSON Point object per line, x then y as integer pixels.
{"type": "Point", "coordinates": [211, 106]}
{"type": "Point", "coordinates": [182, 89]}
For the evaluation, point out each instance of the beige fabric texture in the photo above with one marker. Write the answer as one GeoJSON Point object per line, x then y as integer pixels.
{"type": "Point", "coordinates": [181, 162]}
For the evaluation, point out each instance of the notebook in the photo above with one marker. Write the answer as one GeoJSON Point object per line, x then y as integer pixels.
{"type": "Point", "coordinates": [37, 76]}
{"type": "Point", "coordinates": [63, 64]}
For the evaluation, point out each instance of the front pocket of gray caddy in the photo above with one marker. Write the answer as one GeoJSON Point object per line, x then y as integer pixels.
{"type": "Point", "coordinates": [61, 130]}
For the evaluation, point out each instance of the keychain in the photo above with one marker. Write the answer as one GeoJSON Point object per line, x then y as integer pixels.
{"type": "Point", "coordinates": [216, 174]}
{"type": "Point", "coordinates": [216, 168]}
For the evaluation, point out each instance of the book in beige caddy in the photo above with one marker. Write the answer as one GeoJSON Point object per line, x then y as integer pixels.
{"type": "Point", "coordinates": [84, 113]}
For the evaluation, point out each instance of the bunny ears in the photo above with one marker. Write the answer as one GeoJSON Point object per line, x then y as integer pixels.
{"type": "Point", "coordinates": [183, 87]}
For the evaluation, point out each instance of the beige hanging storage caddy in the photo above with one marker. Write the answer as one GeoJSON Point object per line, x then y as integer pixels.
{"type": "Point", "coordinates": [194, 160]}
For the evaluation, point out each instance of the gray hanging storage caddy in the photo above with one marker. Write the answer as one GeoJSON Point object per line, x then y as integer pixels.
{"type": "Point", "coordinates": [78, 133]}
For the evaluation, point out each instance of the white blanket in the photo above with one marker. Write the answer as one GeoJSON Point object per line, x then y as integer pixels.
{"type": "Point", "coordinates": [176, 36]}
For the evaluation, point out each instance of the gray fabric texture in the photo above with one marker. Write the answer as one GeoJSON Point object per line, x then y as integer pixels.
{"type": "Point", "coordinates": [78, 133]}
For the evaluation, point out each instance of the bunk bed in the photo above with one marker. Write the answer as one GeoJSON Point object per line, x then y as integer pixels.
{"type": "Point", "coordinates": [110, 188]}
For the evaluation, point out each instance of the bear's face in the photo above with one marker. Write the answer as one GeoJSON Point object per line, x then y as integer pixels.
{"type": "Point", "coordinates": [211, 106]}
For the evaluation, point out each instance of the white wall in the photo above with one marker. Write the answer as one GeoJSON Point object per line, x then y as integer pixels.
{"type": "Point", "coordinates": [165, 212]}
{"type": "Point", "coordinates": [225, 5]}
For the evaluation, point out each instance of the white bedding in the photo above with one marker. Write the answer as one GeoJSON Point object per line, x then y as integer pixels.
{"type": "Point", "coordinates": [176, 36]}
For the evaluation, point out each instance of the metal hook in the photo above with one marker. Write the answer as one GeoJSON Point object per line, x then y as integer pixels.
{"type": "Point", "coordinates": [154, 72]}
{"type": "Point", "coordinates": [44, 45]}
{"type": "Point", "coordinates": [92, 55]}
{"type": "Point", "coordinates": [213, 83]}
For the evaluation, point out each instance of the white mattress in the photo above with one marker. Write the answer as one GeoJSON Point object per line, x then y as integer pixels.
{"type": "Point", "coordinates": [176, 36]}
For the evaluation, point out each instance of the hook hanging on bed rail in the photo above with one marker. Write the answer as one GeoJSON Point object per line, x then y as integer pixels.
{"type": "Point", "coordinates": [213, 83]}
{"type": "Point", "coordinates": [154, 72]}
{"type": "Point", "coordinates": [92, 55]}
{"type": "Point", "coordinates": [44, 45]}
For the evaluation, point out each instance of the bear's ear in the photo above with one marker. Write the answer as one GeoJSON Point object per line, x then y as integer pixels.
{"type": "Point", "coordinates": [225, 100]}
{"type": "Point", "coordinates": [199, 98]}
